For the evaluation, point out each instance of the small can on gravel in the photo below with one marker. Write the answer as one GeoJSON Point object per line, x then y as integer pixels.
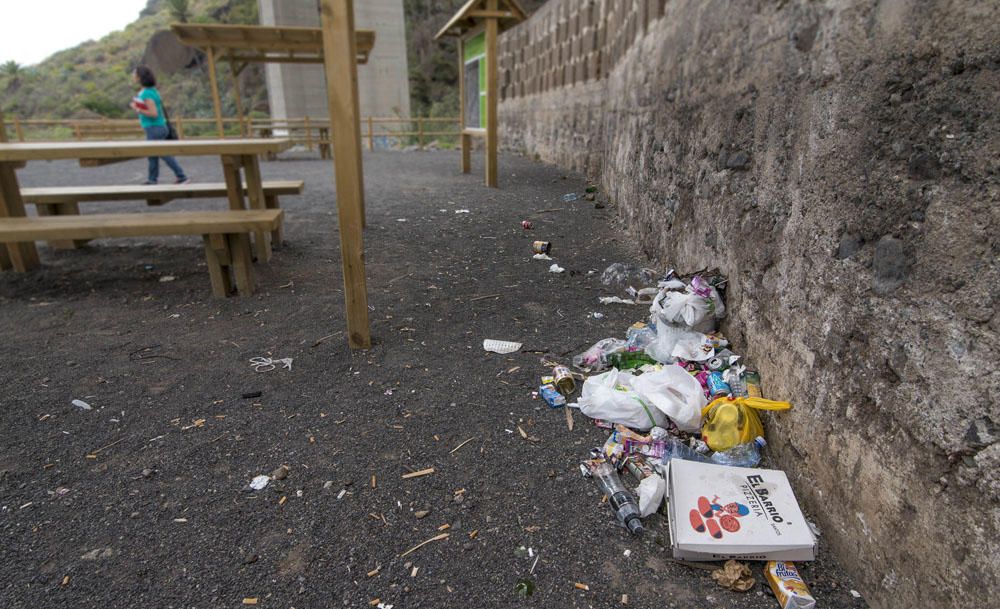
{"type": "Point", "coordinates": [564, 380]}
{"type": "Point", "coordinates": [541, 247]}
{"type": "Point", "coordinates": [717, 386]}
{"type": "Point", "coordinates": [527, 224]}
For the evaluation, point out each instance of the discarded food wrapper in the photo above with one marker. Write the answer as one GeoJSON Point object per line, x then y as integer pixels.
{"type": "Point", "coordinates": [555, 268]}
{"type": "Point", "coordinates": [542, 257]}
{"type": "Point", "coordinates": [615, 300]}
{"type": "Point", "coordinates": [789, 587]}
{"type": "Point", "coordinates": [259, 482]}
{"type": "Point", "coordinates": [81, 404]}
{"type": "Point", "coordinates": [735, 576]}
{"type": "Point", "coordinates": [718, 512]}
{"type": "Point", "coordinates": [502, 347]}
{"type": "Point", "coordinates": [552, 396]}
{"type": "Point", "coordinates": [597, 315]}
{"type": "Point", "coordinates": [266, 364]}
{"type": "Point", "coordinates": [650, 492]}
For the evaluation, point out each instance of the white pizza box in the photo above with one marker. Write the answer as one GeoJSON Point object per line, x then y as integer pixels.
{"type": "Point", "coordinates": [718, 512]}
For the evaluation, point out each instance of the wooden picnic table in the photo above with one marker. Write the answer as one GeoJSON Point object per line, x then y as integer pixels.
{"type": "Point", "coordinates": [237, 155]}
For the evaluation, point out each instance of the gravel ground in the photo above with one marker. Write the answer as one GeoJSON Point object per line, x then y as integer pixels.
{"type": "Point", "coordinates": [160, 513]}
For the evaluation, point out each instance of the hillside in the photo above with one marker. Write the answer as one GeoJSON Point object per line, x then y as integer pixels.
{"type": "Point", "coordinates": [93, 79]}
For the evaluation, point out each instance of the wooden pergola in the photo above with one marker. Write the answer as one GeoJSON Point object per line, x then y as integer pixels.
{"type": "Point", "coordinates": [241, 45]}
{"type": "Point", "coordinates": [339, 48]}
{"type": "Point", "coordinates": [480, 19]}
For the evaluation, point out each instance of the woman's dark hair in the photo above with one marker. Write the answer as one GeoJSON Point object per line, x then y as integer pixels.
{"type": "Point", "coordinates": [146, 77]}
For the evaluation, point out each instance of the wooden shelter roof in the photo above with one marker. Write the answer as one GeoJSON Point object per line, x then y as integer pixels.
{"type": "Point", "coordinates": [469, 16]}
{"type": "Point", "coordinates": [265, 44]}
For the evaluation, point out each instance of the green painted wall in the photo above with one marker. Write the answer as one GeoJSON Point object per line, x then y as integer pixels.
{"type": "Point", "coordinates": [475, 48]}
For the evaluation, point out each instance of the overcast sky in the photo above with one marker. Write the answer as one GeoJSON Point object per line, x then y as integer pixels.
{"type": "Point", "coordinates": [34, 29]}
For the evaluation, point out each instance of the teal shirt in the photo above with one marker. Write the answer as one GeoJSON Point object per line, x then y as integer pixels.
{"type": "Point", "coordinates": [152, 95]}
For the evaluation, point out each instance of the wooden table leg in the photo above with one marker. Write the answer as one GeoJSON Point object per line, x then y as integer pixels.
{"type": "Point", "coordinates": [234, 183]}
{"type": "Point", "coordinates": [255, 196]}
{"type": "Point", "coordinates": [239, 252]}
{"type": "Point", "coordinates": [219, 262]}
{"type": "Point", "coordinates": [23, 257]}
{"type": "Point", "coordinates": [55, 209]}
{"type": "Point", "coordinates": [278, 234]}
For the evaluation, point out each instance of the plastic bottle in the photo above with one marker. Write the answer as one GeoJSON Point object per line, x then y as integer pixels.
{"type": "Point", "coordinates": [742, 455]}
{"type": "Point", "coordinates": [675, 449]}
{"type": "Point", "coordinates": [622, 501]}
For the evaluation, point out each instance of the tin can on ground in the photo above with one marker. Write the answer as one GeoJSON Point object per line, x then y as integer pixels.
{"type": "Point", "coordinates": [564, 380]}
{"type": "Point", "coordinates": [541, 247]}
{"type": "Point", "coordinates": [717, 364]}
{"type": "Point", "coordinates": [717, 386]}
{"type": "Point", "coordinates": [527, 224]}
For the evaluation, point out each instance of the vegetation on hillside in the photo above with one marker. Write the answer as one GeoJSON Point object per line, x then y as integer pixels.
{"type": "Point", "coordinates": [93, 80]}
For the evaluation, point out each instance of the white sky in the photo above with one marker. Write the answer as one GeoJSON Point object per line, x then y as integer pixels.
{"type": "Point", "coordinates": [34, 29]}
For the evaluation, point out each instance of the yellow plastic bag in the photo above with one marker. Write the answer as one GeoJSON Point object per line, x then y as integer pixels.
{"type": "Point", "coordinates": [728, 422]}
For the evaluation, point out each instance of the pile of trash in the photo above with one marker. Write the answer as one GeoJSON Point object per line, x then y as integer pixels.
{"type": "Point", "coordinates": [682, 412]}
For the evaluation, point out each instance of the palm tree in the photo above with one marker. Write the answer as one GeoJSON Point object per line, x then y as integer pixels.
{"type": "Point", "coordinates": [180, 10]}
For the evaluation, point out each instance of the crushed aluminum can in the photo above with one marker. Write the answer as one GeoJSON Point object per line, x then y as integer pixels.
{"type": "Point", "coordinates": [527, 224]}
{"type": "Point", "coordinates": [564, 380]}
{"type": "Point", "coordinates": [541, 247]}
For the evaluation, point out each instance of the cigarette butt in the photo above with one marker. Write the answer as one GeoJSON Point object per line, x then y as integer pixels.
{"type": "Point", "coordinates": [250, 600]}
{"type": "Point", "coordinates": [413, 573]}
{"type": "Point", "coordinates": [473, 534]}
{"type": "Point", "coordinates": [417, 474]}
{"type": "Point", "coordinates": [624, 599]}
{"type": "Point", "coordinates": [373, 480]}
{"type": "Point", "coordinates": [580, 586]}
{"type": "Point", "coordinates": [444, 527]}
{"type": "Point", "coordinates": [283, 499]}
{"type": "Point", "coordinates": [523, 433]}
{"type": "Point", "coordinates": [312, 439]}
{"type": "Point", "coordinates": [374, 601]}
{"type": "Point", "coordinates": [65, 580]}
{"type": "Point", "coordinates": [374, 572]}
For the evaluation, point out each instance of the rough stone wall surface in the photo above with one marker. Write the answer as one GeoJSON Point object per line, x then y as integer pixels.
{"type": "Point", "coordinates": [839, 160]}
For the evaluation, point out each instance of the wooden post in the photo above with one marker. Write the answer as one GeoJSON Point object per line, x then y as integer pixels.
{"type": "Point", "coordinates": [309, 136]}
{"type": "Point", "coordinates": [420, 131]}
{"type": "Point", "coordinates": [180, 128]}
{"type": "Point", "coordinates": [236, 95]}
{"type": "Point", "coordinates": [3, 128]}
{"type": "Point", "coordinates": [217, 103]}
{"type": "Point", "coordinates": [464, 141]}
{"type": "Point", "coordinates": [340, 64]}
{"type": "Point", "coordinates": [371, 134]}
{"type": "Point", "coordinates": [22, 256]}
{"type": "Point", "coordinates": [18, 130]}
{"type": "Point", "coordinates": [491, 96]}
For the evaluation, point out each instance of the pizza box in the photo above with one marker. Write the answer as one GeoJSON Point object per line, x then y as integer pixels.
{"type": "Point", "coordinates": [717, 512]}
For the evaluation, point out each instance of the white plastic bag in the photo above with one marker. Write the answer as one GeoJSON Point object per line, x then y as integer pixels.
{"type": "Point", "coordinates": [680, 308]}
{"type": "Point", "coordinates": [675, 393]}
{"type": "Point", "coordinates": [651, 491]}
{"type": "Point", "coordinates": [674, 342]}
{"type": "Point", "coordinates": [610, 396]}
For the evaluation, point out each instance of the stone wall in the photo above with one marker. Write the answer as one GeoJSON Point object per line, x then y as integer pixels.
{"type": "Point", "coordinates": [840, 162]}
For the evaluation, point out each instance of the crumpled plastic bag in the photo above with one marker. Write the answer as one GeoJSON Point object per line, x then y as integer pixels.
{"type": "Point", "coordinates": [610, 396]}
{"type": "Point", "coordinates": [734, 576]}
{"type": "Point", "coordinates": [698, 306]}
{"type": "Point", "coordinates": [595, 358]}
{"type": "Point", "coordinates": [675, 393]}
{"type": "Point", "coordinates": [650, 491]}
{"type": "Point", "coordinates": [674, 342]}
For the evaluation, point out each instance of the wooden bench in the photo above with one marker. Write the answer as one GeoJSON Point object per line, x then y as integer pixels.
{"type": "Point", "coordinates": [65, 200]}
{"type": "Point", "coordinates": [226, 235]}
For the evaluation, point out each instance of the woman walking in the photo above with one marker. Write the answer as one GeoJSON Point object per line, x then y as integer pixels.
{"type": "Point", "coordinates": [149, 106]}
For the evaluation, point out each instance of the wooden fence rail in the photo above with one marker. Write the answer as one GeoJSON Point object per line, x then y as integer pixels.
{"type": "Point", "coordinates": [309, 132]}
